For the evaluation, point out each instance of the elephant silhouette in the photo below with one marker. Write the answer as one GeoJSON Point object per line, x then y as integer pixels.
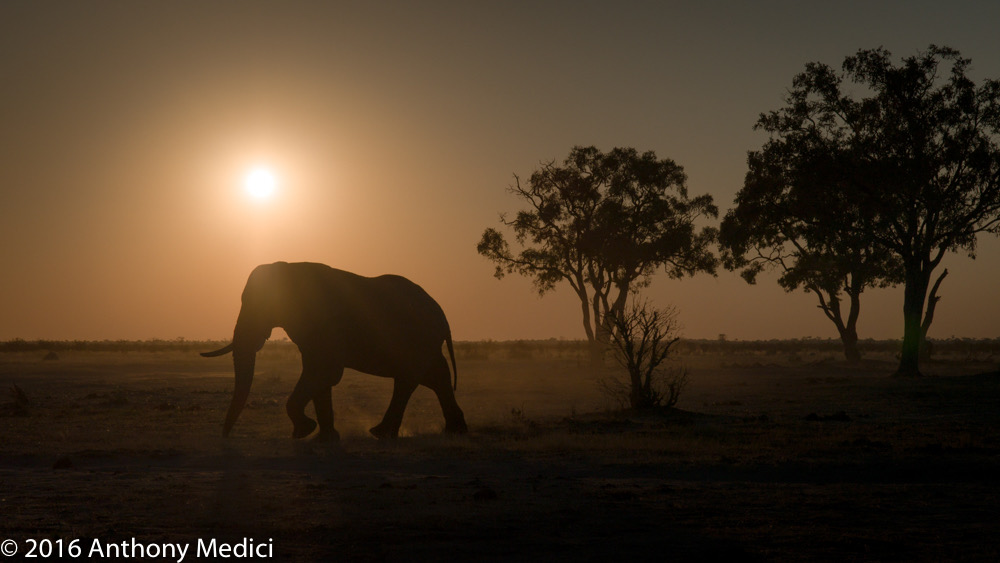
{"type": "Point", "coordinates": [386, 326]}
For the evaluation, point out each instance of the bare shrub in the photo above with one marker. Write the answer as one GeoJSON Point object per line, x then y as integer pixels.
{"type": "Point", "coordinates": [20, 399]}
{"type": "Point", "coordinates": [667, 384]}
{"type": "Point", "coordinates": [20, 405]}
{"type": "Point", "coordinates": [641, 342]}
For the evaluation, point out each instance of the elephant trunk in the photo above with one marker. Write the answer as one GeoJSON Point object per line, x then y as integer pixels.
{"type": "Point", "coordinates": [243, 362]}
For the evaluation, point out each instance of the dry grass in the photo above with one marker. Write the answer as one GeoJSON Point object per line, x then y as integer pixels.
{"type": "Point", "coordinates": [775, 456]}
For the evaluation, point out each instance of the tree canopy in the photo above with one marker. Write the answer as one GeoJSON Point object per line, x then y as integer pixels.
{"type": "Point", "coordinates": [604, 223]}
{"type": "Point", "coordinates": [793, 215]}
{"type": "Point", "coordinates": [913, 161]}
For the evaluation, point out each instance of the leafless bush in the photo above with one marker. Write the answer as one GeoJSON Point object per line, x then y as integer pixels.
{"type": "Point", "coordinates": [20, 405]}
{"type": "Point", "coordinates": [664, 392]}
{"type": "Point", "coordinates": [641, 342]}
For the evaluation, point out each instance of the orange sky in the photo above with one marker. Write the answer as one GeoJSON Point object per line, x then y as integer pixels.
{"type": "Point", "coordinates": [126, 128]}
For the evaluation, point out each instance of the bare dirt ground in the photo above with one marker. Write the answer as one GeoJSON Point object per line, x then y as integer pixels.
{"type": "Point", "coordinates": [771, 457]}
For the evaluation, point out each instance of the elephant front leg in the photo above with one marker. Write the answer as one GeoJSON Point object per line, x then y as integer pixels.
{"type": "Point", "coordinates": [296, 408]}
{"type": "Point", "coordinates": [402, 388]}
{"type": "Point", "coordinates": [324, 414]}
{"type": "Point", "coordinates": [319, 374]}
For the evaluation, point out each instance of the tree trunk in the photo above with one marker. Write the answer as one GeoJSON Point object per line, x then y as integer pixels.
{"type": "Point", "coordinates": [640, 396]}
{"type": "Point", "coordinates": [849, 336]}
{"type": "Point", "coordinates": [848, 333]}
{"type": "Point", "coordinates": [635, 397]}
{"type": "Point", "coordinates": [601, 329]}
{"type": "Point", "coordinates": [585, 305]}
{"type": "Point", "coordinates": [596, 350]}
{"type": "Point", "coordinates": [932, 301]}
{"type": "Point", "coordinates": [914, 293]}
{"type": "Point", "coordinates": [595, 346]}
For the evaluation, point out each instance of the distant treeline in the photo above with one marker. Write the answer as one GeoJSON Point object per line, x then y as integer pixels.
{"type": "Point", "coordinates": [551, 348]}
{"type": "Point", "coordinates": [529, 349]}
{"type": "Point", "coordinates": [945, 346]}
{"type": "Point", "coordinates": [157, 345]}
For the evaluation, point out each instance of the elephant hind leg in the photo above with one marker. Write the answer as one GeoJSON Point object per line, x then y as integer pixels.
{"type": "Point", "coordinates": [438, 379]}
{"type": "Point", "coordinates": [402, 388]}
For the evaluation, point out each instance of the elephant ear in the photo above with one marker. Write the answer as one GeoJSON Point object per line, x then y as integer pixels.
{"type": "Point", "coordinates": [300, 297]}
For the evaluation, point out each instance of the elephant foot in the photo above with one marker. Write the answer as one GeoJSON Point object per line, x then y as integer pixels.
{"type": "Point", "coordinates": [303, 427]}
{"type": "Point", "coordinates": [459, 427]}
{"type": "Point", "coordinates": [383, 432]}
{"type": "Point", "coordinates": [326, 437]}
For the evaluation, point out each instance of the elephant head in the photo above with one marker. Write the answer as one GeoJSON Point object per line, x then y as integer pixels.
{"type": "Point", "coordinates": [264, 307]}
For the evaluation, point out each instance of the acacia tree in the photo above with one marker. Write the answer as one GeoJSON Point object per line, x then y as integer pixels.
{"type": "Point", "coordinates": [604, 223]}
{"type": "Point", "coordinates": [918, 154]}
{"type": "Point", "coordinates": [788, 218]}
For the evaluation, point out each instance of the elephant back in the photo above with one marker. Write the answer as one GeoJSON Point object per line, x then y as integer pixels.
{"type": "Point", "coordinates": [401, 309]}
{"type": "Point", "coordinates": [389, 324]}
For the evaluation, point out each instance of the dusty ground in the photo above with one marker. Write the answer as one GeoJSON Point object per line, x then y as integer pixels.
{"type": "Point", "coordinates": [773, 458]}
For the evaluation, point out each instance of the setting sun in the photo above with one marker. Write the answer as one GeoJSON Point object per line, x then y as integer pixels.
{"type": "Point", "coordinates": [260, 183]}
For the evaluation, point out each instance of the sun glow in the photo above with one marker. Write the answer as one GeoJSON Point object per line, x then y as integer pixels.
{"type": "Point", "coordinates": [260, 183]}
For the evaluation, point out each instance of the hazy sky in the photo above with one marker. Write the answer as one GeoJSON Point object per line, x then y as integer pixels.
{"type": "Point", "coordinates": [395, 128]}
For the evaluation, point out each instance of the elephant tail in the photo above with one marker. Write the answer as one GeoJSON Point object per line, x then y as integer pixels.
{"type": "Point", "coordinates": [454, 368]}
